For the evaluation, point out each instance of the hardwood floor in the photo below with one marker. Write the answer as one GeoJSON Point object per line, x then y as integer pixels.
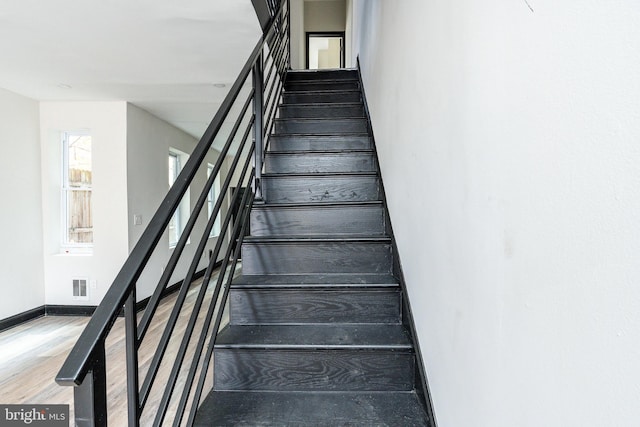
{"type": "Point", "coordinates": [32, 353]}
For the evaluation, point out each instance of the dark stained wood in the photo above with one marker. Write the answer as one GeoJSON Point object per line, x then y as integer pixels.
{"type": "Point", "coordinates": [321, 75]}
{"type": "Point", "coordinates": [291, 306]}
{"type": "Point", "coordinates": [300, 257]}
{"type": "Point", "coordinates": [306, 370]}
{"type": "Point", "coordinates": [316, 219]}
{"type": "Point", "coordinates": [346, 84]}
{"type": "Point", "coordinates": [319, 142]}
{"type": "Point", "coordinates": [335, 336]}
{"type": "Point", "coordinates": [312, 409]}
{"type": "Point", "coordinates": [354, 109]}
{"type": "Point", "coordinates": [321, 96]}
{"type": "Point", "coordinates": [322, 188]}
{"type": "Point", "coordinates": [331, 126]}
{"type": "Point", "coordinates": [316, 319]}
{"type": "Point", "coordinates": [295, 162]}
{"type": "Point", "coordinates": [257, 281]}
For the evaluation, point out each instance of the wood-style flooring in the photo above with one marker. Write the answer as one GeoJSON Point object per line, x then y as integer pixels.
{"type": "Point", "coordinates": [32, 353]}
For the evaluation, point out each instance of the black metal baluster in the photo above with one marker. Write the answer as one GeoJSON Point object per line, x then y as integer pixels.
{"type": "Point", "coordinates": [131, 337]}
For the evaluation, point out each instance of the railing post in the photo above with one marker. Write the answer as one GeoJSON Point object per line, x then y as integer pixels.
{"type": "Point", "coordinates": [90, 397]}
{"type": "Point", "coordinates": [131, 340]}
{"type": "Point", "coordinates": [258, 132]}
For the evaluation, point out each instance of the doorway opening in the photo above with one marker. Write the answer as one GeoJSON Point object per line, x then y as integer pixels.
{"type": "Point", "coordinates": [325, 50]}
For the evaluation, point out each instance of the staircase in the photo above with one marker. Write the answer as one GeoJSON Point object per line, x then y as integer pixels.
{"type": "Point", "coordinates": [316, 334]}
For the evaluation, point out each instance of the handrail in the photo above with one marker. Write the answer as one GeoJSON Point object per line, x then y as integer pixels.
{"type": "Point", "coordinates": [272, 48]}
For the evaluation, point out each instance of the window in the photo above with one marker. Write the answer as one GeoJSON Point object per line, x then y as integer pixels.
{"type": "Point", "coordinates": [214, 191]}
{"type": "Point", "coordinates": [77, 180]}
{"type": "Point", "coordinates": [175, 222]}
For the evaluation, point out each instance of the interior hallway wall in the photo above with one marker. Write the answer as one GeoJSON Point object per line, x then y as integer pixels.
{"type": "Point", "coordinates": [106, 122]}
{"type": "Point", "coordinates": [21, 270]}
{"type": "Point", "coordinates": [149, 140]}
{"type": "Point", "coordinates": [508, 139]}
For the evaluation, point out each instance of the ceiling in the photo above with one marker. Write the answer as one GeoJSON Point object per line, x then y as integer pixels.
{"type": "Point", "coordinates": [165, 56]}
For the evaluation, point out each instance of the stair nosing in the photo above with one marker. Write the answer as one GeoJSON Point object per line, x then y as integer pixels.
{"type": "Point", "coordinates": [309, 347]}
{"type": "Point", "coordinates": [307, 280]}
{"type": "Point", "coordinates": [318, 204]}
{"type": "Point", "coordinates": [332, 134]}
{"type": "Point", "coordinates": [320, 286]}
{"type": "Point", "coordinates": [322, 104]}
{"type": "Point", "coordinates": [305, 152]}
{"type": "Point", "coordinates": [319, 238]}
{"type": "Point", "coordinates": [295, 92]}
{"type": "Point", "coordinates": [322, 135]}
{"type": "Point", "coordinates": [354, 79]}
{"type": "Point", "coordinates": [322, 119]}
{"type": "Point", "coordinates": [317, 174]}
{"type": "Point", "coordinates": [362, 337]}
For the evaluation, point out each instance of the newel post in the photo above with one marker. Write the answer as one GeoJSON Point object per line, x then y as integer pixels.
{"type": "Point", "coordinates": [90, 397]}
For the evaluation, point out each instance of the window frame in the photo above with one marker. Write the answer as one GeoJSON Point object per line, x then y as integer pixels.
{"type": "Point", "coordinates": [66, 189]}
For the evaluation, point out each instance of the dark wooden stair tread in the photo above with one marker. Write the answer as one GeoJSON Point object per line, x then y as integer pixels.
{"type": "Point", "coordinates": [324, 336]}
{"type": "Point", "coordinates": [314, 280]}
{"type": "Point", "coordinates": [322, 136]}
{"type": "Point", "coordinates": [315, 409]}
{"type": "Point", "coordinates": [317, 239]}
{"type": "Point", "coordinates": [322, 92]}
{"type": "Point", "coordinates": [340, 135]}
{"type": "Point", "coordinates": [329, 151]}
{"type": "Point", "coordinates": [317, 174]}
{"type": "Point", "coordinates": [299, 76]}
{"type": "Point", "coordinates": [320, 119]}
{"type": "Point", "coordinates": [321, 105]}
{"type": "Point", "coordinates": [317, 204]}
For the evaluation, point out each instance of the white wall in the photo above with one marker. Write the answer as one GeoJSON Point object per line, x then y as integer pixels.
{"type": "Point", "coordinates": [508, 141]}
{"type": "Point", "coordinates": [148, 143]}
{"type": "Point", "coordinates": [325, 15]}
{"type": "Point", "coordinates": [348, 27]}
{"type": "Point", "coordinates": [106, 122]}
{"type": "Point", "coordinates": [297, 35]}
{"type": "Point", "coordinates": [316, 16]}
{"type": "Point", "coordinates": [21, 272]}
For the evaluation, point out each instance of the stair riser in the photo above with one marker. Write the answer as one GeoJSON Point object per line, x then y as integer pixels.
{"type": "Point", "coordinates": [320, 97]}
{"type": "Point", "coordinates": [311, 76]}
{"type": "Point", "coordinates": [305, 143]}
{"type": "Point", "coordinates": [319, 409]}
{"type": "Point", "coordinates": [322, 85]}
{"type": "Point", "coordinates": [328, 162]}
{"type": "Point", "coordinates": [316, 257]}
{"type": "Point", "coordinates": [336, 220]}
{"type": "Point", "coordinates": [295, 189]}
{"type": "Point", "coordinates": [321, 126]}
{"type": "Point", "coordinates": [295, 306]}
{"type": "Point", "coordinates": [321, 111]}
{"type": "Point", "coordinates": [313, 370]}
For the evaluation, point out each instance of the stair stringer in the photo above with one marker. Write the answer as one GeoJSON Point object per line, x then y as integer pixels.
{"type": "Point", "coordinates": [421, 382]}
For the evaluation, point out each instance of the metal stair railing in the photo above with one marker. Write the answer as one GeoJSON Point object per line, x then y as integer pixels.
{"type": "Point", "coordinates": [248, 113]}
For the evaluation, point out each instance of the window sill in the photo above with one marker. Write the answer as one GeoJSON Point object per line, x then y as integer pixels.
{"type": "Point", "coordinates": [75, 252]}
